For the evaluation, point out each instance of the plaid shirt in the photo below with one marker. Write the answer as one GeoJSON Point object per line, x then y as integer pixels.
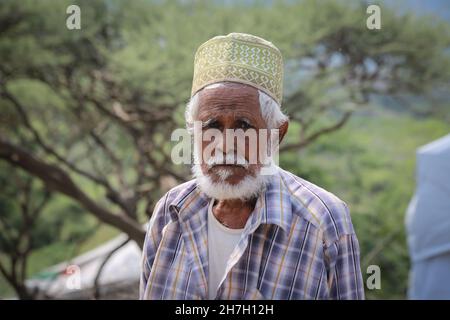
{"type": "Point", "coordinates": [298, 243]}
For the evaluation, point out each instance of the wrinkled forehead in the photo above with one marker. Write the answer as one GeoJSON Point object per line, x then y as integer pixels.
{"type": "Point", "coordinates": [222, 99]}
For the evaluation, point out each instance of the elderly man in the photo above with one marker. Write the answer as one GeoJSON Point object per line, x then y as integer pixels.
{"type": "Point", "coordinates": [236, 232]}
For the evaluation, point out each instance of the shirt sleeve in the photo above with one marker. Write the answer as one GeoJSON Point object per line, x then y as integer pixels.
{"type": "Point", "coordinates": [343, 268]}
{"type": "Point", "coordinates": [151, 243]}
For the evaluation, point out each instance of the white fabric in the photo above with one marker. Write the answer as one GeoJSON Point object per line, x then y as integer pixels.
{"type": "Point", "coordinates": [428, 215]}
{"type": "Point", "coordinates": [429, 278]}
{"type": "Point", "coordinates": [428, 223]}
{"type": "Point", "coordinates": [221, 242]}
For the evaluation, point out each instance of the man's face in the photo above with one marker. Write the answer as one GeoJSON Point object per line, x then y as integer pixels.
{"type": "Point", "coordinates": [234, 106]}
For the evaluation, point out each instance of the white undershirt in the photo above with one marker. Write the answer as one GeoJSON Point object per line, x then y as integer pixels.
{"type": "Point", "coordinates": [221, 242]}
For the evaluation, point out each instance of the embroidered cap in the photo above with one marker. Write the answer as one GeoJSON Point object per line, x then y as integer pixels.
{"type": "Point", "coordinates": [239, 57]}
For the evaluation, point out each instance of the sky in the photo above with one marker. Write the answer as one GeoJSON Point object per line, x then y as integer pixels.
{"type": "Point", "coordinates": [439, 8]}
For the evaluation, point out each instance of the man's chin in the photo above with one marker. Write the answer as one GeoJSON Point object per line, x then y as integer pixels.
{"type": "Point", "coordinates": [244, 187]}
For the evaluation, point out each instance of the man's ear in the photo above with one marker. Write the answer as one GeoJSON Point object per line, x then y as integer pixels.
{"type": "Point", "coordinates": [283, 129]}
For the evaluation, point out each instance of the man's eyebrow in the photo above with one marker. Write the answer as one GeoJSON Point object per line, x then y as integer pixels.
{"type": "Point", "coordinates": [208, 122]}
{"type": "Point", "coordinates": [246, 120]}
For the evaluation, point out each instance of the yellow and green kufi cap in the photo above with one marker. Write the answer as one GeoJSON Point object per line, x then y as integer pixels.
{"type": "Point", "coordinates": [242, 58]}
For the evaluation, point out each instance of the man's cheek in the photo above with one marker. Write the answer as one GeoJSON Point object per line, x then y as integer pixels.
{"type": "Point", "coordinates": [207, 151]}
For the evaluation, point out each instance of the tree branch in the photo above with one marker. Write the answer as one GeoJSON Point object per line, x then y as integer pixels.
{"type": "Point", "coordinates": [57, 179]}
{"type": "Point", "coordinates": [113, 195]}
{"type": "Point", "coordinates": [314, 136]}
{"type": "Point", "coordinates": [100, 269]}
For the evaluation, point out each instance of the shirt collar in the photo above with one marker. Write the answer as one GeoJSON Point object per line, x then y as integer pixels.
{"type": "Point", "coordinates": [273, 206]}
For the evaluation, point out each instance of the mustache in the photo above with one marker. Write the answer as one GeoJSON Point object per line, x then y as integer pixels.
{"type": "Point", "coordinates": [228, 159]}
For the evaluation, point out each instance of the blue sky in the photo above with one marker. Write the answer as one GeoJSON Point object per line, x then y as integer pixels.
{"type": "Point", "coordinates": [439, 8]}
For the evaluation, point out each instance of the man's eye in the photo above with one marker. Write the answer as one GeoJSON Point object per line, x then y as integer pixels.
{"type": "Point", "coordinates": [212, 125]}
{"type": "Point", "coordinates": [244, 125]}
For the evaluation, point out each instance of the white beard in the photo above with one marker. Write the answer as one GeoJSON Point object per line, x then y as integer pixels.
{"type": "Point", "coordinates": [250, 187]}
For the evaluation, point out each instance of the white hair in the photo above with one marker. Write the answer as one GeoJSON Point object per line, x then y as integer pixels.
{"type": "Point", "coordinates": [248, 188]}
{"type": "Point", "coordinates": [270, 109]}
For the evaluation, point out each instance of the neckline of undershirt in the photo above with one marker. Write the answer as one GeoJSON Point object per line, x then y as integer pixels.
{"type": "Point", "coordinates": [219, 224]}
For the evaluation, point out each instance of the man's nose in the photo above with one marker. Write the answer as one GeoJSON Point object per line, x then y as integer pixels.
{"type": "Point", "coordinates": [226, 146]}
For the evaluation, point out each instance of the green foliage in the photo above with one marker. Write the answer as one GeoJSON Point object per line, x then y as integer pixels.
{"type": "Point", "coordinates": [29, 223]}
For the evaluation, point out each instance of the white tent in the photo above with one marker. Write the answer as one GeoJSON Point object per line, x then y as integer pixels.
{"type": "Point", "coordinates": [428, 222]}
{"type": "Point", "coordinates": [71, 279]}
